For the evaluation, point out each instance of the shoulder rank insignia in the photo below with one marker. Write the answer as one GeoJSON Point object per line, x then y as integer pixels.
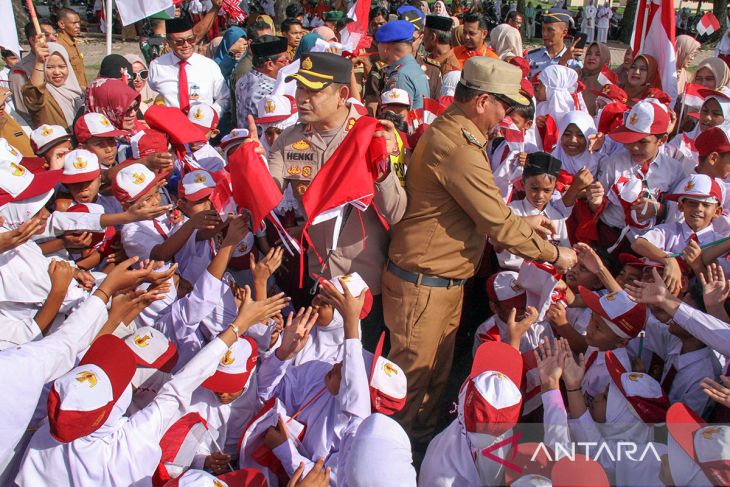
{"type": "Point", "coordinates": [472, 139]}
{"type": "Point", "coordinates": [432, 62]}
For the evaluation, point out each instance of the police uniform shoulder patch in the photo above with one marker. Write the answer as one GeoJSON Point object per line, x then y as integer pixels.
{"type": "Point", "coordinates": [350, 124]}
{"type": "Point", "coordinates": [300, 145]}
{"type": "Point", "coordinates": [472, 139]}
{"type": "Point", "coordinates": [432, 62]}
{"type": "Point", "coordinates": [380, 64]}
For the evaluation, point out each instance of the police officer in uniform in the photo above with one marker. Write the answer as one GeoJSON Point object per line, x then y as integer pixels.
{"type": "Point", "coordinates": [453, 206]}
{"type": "Point", "coordinates": [402, 71]}
{"type": "Point", "coordinates": [325, 118]}
{"type": "Point", "coordinates": [555, 26]}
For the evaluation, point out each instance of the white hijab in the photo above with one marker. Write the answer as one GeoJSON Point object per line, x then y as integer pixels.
{"type": "Point", "coordinates": [325, 343]}
{"type": "Point", "coordinates": [439, 8]}
{"type": "Point", "coordinates": [586, 125]}
{"type": "Point", "coordinates": [560, 83]}
{"type": "Point", "coordinates": [380, 455]}
{"type": "Point", "coordinates": [506, 41]}
{"type": "Point", "coordinates": [111, 455]}
{"type": "Point", "coordinates": [69, 95]}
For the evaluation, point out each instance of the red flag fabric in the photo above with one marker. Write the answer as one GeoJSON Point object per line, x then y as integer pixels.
{"type": "Point", "coordinates": [549, 134]}
{"type": "Point", "coordinates": [655, 34]}
{"type": "Point", "coordinates": [354, 35]}
{"type": "Point", "coordinates": [222, 196]}
{"type": "Point", "coordinates": [253, 187]}
{"type": "Point", "coordinates": [348, 177]}
{"type": "Point", "coordinates": [173, 122]}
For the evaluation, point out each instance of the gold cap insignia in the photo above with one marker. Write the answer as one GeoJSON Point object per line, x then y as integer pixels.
{"type": "Point", "coordinates": [104, 122]}
{"type": "Point", "coordinates": [87, 377]}
{"type": "Point", "coordinates": [198, 115]}
{"type": "Point", "coordinates": [17, 169]}
{"type": "Point", "coordinates": [269, 106]}
{"type": "Point", "coordinates": [80, 163]}
{"type": "Point", "coordinates": [307, 63]}
{"type": "Point", "coordinates": [389, 369]}
{"type": "Point", "coordinates": [200, 178]}
{"type": "Point", "coordinates": [138, 178]}
{"type": "Point", "coordinates": [228, 358]}
{"type": "Point", "coordinates": [142, 341]}
{"type": "Point", "coordinates": [46, 131]}
{"type": "Point", "coordinates": [633, 119]}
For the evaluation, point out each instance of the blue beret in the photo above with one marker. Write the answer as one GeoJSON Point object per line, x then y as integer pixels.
{"type": "Point", "coordinates": [395, 31]}
{"type": "Point", "coordinates": [406, 8]}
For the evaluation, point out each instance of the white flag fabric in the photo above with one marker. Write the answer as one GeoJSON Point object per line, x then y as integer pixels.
{"type": "Point", "coordinates": [655, 34]}
{"type": "Point", "coordinates": [133, 10]}
{"type": "Point", "coordinates": [9, 33]}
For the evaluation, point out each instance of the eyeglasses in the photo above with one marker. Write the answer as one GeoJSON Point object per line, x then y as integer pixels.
{"type": "Point", "coordinates": [141, 74]}
{"type": "Point", "coordinates": [181, 42]}
{"type": "Point", "coordinates": [508, 105]}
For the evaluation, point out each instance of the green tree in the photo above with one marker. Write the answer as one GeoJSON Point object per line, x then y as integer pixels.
{"type": "Point", "coordinates": [719, 8]}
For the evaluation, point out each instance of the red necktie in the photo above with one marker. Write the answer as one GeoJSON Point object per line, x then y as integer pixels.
{"type": "Point", "coordinates": [182, 88]}
{"type": "Point", "coordinates": [669, 378]}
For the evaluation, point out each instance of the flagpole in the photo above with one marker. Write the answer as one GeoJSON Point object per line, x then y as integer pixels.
{"type": "Point", "coordinates": [108, 20]}
{"type": "Point", "coordinates": [644, 25]}
{"type": "Point", "coordinates": [33, 16]}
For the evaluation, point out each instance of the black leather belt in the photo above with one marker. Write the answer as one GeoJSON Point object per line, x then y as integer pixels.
{"type": "Point", "coordinates": [423, 279]}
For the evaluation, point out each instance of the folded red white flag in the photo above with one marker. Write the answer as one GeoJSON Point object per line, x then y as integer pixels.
{"type": "Point", "coordinates": [707, 24]}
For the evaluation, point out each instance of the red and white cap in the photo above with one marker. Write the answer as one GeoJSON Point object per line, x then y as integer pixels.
{"type": "Point", "coordinates": [707, 445]}
{"type": "Point", "coordinates": [235, 367]}
{"type": "Point", "coordinates": [356, 285]}
{"type": "Point", "coordinates": [132, 181]}
{"type": "Point", "coordinates": [625, 317]}
{"type": "Point", "coordinates": [712, 140]}
{"type": "Point", "coordinates": [203, 115]}
{"type": "Point", "coordinates": [540, 281]}
{"type": "Point", "coordinates": [93, 124]}
{"type": "Point", "coordinates": [196, 185]}
{"type": "Point", "coordinates": [80, 166]}
{"type": "Point", "coordinates": [277, 108]}
{"type": "Point", "coordinates": [147, 142]}
{"type": "Point", "coordinates": [579, 471]}
{"type": "Point", "coordinates": [19, 183]}
{"type": "Point", "coordinates": [645, 118]}
{"type": "Point", "coordinates": [395, 96]}
{"type": "Point", "coordinates": [179, 445]}
{"type": "Point", "coordinates": [245, 477]}
{"type": "Point", "coordinates": [700, 187]}
{"type": "Point", "coordinates": [534, 463]}
{"type": "Point", "coordinates": [230, 141]}
{"type": "Point", "coordinates": [81, 400]}
{"type": "Point", "coordinates": [46, 136]}
{"type": "Point", "coordinates": [491, 398]}
{"type": "Point", "coordinates": [504, 288]}
{"type": "Point", "coordinates": [388, 384]}
{"type": "Point", "coordinates": [152, 349]}
{"type": "Point", "coordinates": [97, 238]}
{"type": "Point", "coordinates": [642, 391]}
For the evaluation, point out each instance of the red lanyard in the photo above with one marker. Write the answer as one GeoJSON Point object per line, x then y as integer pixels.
{"type": "Point", "coordinates": [159, 229]}
{"type": "Point", "coordinates": [308, 403]}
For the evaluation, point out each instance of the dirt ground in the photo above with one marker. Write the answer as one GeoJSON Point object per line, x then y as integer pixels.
{"type": "Point", "coordinates": [94, 49]}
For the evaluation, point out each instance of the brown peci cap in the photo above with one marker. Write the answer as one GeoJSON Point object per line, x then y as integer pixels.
{"type": "Point", "coordinates": [493, 76]}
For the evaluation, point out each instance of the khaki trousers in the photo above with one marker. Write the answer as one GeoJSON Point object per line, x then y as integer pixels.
{"type": "Point", "coordinates": [423, 322]}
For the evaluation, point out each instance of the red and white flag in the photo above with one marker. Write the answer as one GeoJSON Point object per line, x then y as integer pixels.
{"type": "Point", "coordinates": [426, 115]}
{"type": "Point", "coordinates": [655, 34]}
{"type": "Point", "coordinates": [255, 190]}
{"type": "Point", "coordinates": [607, 76]}
{"type": "Point", "coordinates": [133, 10]}
{"type": "Point", "coordinates": [354, 36]}
{"type": "Point", "coordinates": [707, 24]}
{"type": "Point", "coordinates": [692, 96]}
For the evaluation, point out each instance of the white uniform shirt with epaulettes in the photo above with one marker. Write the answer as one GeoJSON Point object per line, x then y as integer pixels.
{"type": "Point", "coordinates": [539, 59]}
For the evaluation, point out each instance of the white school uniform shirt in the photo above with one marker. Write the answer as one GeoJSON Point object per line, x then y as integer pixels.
{"type": "Point", "coordinates": [205, 81]}
{"type": "Point", "coordinates": [510, 261]}
{"type": "Point", "coordinates": [25, 369]}
{"type": "Point", "coordinates": [326, 417]}
{"type": "Point", "coordinates": [691, 368]}
{"type": "Point", "coordinates": [124, 451]}
{"type": "Point", "coordinates": [674, 237]}
{"type": "Point", "coordinates": [711, 331]}
{"type": "Point", "coordinates": [225, 422]}
{"type": "Point", "coordinates": [663, 175]}
{"type": "Point", "coordinates": [596, 378]}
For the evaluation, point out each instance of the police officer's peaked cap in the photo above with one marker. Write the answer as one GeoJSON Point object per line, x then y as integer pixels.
{"type": "Point", "coordinates": [319, 69]}
{"type": "Point", "coordinates": [557, 15]}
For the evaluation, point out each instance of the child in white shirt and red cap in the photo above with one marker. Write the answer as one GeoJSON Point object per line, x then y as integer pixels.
{"type": "Point", "coordinates": [628, 194]}
{"type": "Point", "coordinates": [277, 113]}
{"type": "Point", "coordinates": [51, 142]}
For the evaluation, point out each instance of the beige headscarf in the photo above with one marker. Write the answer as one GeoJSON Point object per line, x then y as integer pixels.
{"type": "Point", "coordinates": [68, 96]}
{"type": "Point", "coordinates": [718, 68]}
{"type": "Point", "coordinates": [506, 41]}
{"type": "Point", "coordinates": [590, 79]}
{"type": "Point", "coordinates": [686, 47]}
{"type": "Point", "coordinates": [147, 94]}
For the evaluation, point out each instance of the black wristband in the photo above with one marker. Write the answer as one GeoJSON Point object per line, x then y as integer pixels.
{"type": "Point", "coordinates": [557, 256]}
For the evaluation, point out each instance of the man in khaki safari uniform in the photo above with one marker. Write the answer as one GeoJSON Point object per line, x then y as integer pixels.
{"type": "Point", "coordinates": [453, 206]}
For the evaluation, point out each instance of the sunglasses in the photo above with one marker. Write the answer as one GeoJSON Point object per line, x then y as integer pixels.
{"type": "Point", "coordinates": [141, 75]}
{"type": "Point", "coordinates": [182, 42]}
{"type": "Point", "coordinates": [509, 105]}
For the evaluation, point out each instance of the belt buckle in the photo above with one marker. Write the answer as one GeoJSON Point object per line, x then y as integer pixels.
{"type": "Point", "coordinates": [450, 283]}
